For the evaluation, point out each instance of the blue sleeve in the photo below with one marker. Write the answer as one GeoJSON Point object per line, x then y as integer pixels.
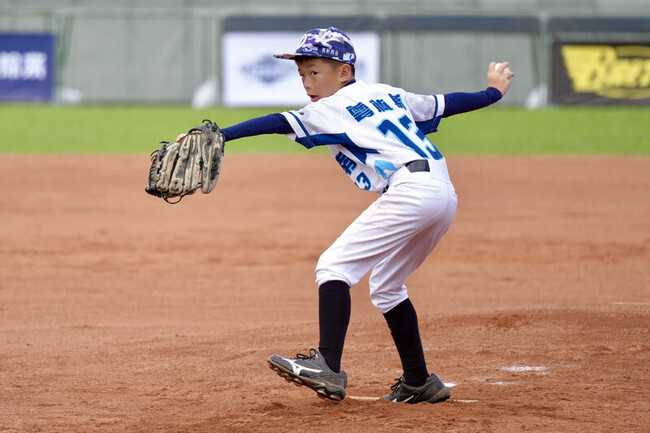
{"type": "Point", "coordinates": [456, 103]}
{"type": "Point", "coordinates": [270, 124]}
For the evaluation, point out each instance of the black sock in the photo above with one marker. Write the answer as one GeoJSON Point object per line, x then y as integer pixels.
{"type": "Point", "coordinates": [403, 323]}
{"type": "Point", "coordinates": [334, 307]}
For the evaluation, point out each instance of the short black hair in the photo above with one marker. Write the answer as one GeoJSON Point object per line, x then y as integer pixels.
{"type": "Point", "coordinates": [332, 62]}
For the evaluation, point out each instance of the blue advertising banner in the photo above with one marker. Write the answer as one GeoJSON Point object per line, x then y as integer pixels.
{"type": "Point", "coordinates": [26, 67]}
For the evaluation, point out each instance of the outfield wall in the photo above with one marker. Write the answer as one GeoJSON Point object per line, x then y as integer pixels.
{"type": "Point", "coordinates": [161, 51]}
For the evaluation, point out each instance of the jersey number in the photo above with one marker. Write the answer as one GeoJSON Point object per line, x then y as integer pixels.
{"type": "Point", "coordinates": [387, 126]}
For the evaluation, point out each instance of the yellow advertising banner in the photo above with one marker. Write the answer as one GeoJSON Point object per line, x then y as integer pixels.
{"type": "Point", "coordinates": [600, 74]}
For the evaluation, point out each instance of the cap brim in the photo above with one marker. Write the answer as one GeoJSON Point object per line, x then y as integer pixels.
{"type": "Point", "coordinates": [285, 56]}
{"type": "Point", "coordinates": [294, 55]}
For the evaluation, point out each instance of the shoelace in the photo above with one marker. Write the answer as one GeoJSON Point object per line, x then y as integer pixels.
{"type": "Point", "coordinates": [312, 355]}
{"type": "Point", "coordinates": [397, 384]}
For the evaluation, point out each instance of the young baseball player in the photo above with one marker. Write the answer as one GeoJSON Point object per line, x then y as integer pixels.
{"type": "Point", "coordinates": [377, 134]}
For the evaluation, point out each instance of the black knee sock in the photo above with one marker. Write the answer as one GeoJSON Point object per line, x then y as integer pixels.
{"type": "Point", "coordinates": [334, 307]}
{"type": "Point", "coordinates": [403, 323]}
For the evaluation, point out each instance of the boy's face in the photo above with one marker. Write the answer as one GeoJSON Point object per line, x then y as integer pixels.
{"type": "Point", "coordinates": [320, 79]}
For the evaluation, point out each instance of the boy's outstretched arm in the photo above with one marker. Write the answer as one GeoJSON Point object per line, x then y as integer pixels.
{"type": "Point", "coordinates": [498, 83]}
{"type": "Point", "coordinates": [270, 124]}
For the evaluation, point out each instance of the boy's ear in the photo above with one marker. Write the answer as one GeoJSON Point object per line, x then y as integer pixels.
{"type": "Point", "coordinates": [345, 73]}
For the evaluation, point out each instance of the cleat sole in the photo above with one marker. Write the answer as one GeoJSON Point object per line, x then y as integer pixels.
{"type": "Point", "coordinates": [320, 389]}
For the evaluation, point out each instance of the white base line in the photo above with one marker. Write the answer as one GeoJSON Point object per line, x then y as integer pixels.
{"type": "Point", "coordinates": [631, 303]}
{"type": "Point", "coordinates": [361, 398]}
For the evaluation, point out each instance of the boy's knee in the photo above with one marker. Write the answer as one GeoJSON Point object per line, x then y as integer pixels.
{"type": "Point", "coordinates": [325, 276]}
{"type": "Point", "coordinates": [385, 301]}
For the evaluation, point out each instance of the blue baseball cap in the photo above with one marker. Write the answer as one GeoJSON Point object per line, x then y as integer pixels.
{"type": "Point", "coordinates": [330, 43]}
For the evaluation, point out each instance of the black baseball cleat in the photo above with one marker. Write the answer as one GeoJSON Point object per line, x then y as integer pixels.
{"type": "Point", "coordinates": [312, 371]}
{"type": "Point", "coordinates": [433, 391]}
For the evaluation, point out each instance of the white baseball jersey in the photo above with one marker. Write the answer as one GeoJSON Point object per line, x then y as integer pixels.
{"type": "Point", "coordinates": [372, 130]}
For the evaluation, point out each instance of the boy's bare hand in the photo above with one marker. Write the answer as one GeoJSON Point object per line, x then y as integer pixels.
{"type": "Point", "coordinates": [181, 136]}
{"type": "Point", "coordinates": [499, 75]}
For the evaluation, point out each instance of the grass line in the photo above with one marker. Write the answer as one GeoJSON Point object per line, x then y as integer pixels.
{"type": "Point", "coordinates": [46, 129]}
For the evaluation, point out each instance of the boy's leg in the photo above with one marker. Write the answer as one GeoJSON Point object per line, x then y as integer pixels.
{"type": "Point", "coordinates": [416, 385]}
{"type": "Point", "coordinates": [390, 296]}
{"type": "Point", "coordinates": [334, 307]}
{"type": "Point", "coordinates": [321, 369]}
{"type": "Point", "coordinates": [403, 323]}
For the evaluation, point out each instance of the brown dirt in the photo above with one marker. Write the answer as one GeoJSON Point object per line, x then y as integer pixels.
{"type": "Point", "coordinates": [120, 313]}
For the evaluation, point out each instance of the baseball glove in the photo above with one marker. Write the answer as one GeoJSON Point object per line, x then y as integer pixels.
{"type": "Point", "coordinates": [181, 167]}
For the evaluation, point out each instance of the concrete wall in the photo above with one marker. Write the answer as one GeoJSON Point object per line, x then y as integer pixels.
{"type": "Point", "coordinates": [159, 51]}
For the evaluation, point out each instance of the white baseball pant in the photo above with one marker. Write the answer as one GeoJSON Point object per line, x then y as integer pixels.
{"type": "Point", "coordinates": [392, 237]}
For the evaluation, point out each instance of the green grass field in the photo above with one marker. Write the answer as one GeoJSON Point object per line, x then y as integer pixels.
{"type": "Point", "coordinates": [46, 129]}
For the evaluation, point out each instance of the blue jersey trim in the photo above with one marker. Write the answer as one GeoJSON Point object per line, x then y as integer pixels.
{"type": "Point", "coordinates": [381, 167]}
{"type": "Point", "coordinates": [429, 126]}
{"type": "Point", "coordinates": [342, 139]}
{"type": "Point", "coordinates": [304, 141]}
{"type": "Point", "coordinates": [360, 153]}
{"type": "Point", "coordinates": [435, 107]}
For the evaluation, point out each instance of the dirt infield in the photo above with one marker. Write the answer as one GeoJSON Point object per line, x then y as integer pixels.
{"type": "Point", "coordinates": [120, 313]}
